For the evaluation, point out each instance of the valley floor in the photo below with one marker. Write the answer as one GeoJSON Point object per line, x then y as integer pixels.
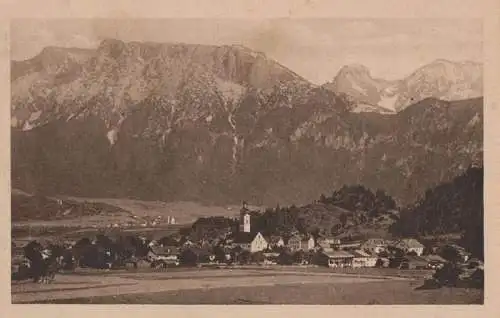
{"type": "Point", "coordinates": [238, 286]}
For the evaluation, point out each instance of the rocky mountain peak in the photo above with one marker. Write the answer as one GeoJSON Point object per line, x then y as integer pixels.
{"type": "Point", "coordinates": [352, 69]}
{"type": "Point", "coordinates": [441, 79]}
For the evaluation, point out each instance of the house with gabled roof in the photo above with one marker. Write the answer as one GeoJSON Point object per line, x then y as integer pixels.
{"type": "Point", "coordinates": [276, 241]}
{"type": "Point", "coordinates": [375, 245]}
{"type": "Point", "coordinates": [250, 242]}
{"type": "Point", "coordinates": [409, 245]}
{"type": "Point", "coordinates": [167, 254]}
{"type": "Point", "coordinates": [328, 244]}
{"type": "Point", "coordinates": [297, 243]}
{"type": "Point", "coordinates": [413, 262]}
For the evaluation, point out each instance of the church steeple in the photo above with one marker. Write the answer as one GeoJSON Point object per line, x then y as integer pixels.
{"type": "Point", "coordinates": [245, 218]}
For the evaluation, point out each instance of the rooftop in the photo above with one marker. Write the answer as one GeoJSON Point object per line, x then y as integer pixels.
{"type": "Point", "coordinates": [244, 238]}
{"type": "Point", "coordinates": [376, 241]}
{"type": "Point", "coordinates": [410, 243]}
{"type": "Point", "coordinates": [416, 259]}
{"type": "Point", "coordinates": [275, 239]}
{"type": "Point", "coordinates": [338, 254]}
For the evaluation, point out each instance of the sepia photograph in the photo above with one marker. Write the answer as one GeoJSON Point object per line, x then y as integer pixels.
{"type": "Point", "coordinates": [217, 161]}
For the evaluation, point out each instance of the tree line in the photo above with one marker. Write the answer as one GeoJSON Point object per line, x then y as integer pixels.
{"type": "Point", "coordinates": [452, 207]}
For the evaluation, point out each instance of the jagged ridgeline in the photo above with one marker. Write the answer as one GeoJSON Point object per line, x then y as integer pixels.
{"type": "Point", "coordinates": [219, 124]}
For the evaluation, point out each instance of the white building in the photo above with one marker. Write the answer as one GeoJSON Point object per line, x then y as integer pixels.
{"type": "Point", "coordinates": [410, 245]}
{"type": "Point", "coordinates": [375, 245]}
{"type": "Point", "coordinates": [251, 243]}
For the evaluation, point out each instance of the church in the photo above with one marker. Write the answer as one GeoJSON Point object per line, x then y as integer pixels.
{"type": "Point", "coordinates": [247, 238]}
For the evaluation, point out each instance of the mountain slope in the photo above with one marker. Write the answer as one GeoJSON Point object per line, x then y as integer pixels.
{"type": "Point", "coordinates": [214, 124]}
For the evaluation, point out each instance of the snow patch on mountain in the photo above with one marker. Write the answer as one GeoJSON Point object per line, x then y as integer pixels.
{"type": "Point", "coordinates": [367, 108]}
{"type": "Point", "coordinates": [388, 102]}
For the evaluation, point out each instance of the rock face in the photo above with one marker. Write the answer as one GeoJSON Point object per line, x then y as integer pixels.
{"type": "Point", "coordinates": [440, 79]}
{"type": "Point", "coordinates": [220, 125]}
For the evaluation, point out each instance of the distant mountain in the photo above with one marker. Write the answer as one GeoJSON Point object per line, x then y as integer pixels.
{"type": "Point", "coordinates": [218, 124]}
{"type": "Point", "coordinates": [440, 79]}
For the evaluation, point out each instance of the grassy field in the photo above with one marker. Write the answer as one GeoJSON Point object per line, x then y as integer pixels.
{"type": "Point", "coordinates": [382, 293]}
{"type": "Point", "coordinates": [367, 271]}
{"type": "Point", "coordinates": [238, 286]}
{"type": "Point", "coordinates": [318, 294]}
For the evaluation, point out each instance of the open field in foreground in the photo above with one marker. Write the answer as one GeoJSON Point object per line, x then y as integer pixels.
{"type": "Point", "coordinates": [237, 286]}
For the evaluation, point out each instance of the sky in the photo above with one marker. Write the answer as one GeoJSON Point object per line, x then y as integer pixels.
{"type": "Point", "coordinates": [314, 48]}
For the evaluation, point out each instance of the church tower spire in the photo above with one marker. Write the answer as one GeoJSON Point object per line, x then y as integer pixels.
{"type": "Point", "coordinates": [245, 219]}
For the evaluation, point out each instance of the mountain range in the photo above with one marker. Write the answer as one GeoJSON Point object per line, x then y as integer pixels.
{"type": "Point", "coordinates": [440, 79]}
{"type": "Point", "coordinates": [221, 124]}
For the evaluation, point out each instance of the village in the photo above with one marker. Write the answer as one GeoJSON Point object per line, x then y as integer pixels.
{"type": "Point", "coordinates": [243, 246]}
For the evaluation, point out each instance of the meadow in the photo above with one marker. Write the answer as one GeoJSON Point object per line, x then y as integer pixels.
{"type": "Point", "coordinates": [241, 286]}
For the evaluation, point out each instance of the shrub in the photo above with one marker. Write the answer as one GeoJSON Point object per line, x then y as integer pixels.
{"type": "Point", "coordinates": [285, 258]}
{"type": "Point", "coordinates": [448, 275]}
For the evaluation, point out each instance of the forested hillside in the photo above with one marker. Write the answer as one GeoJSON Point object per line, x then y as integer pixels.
{"type": "Point", "coordinates": [452, 207]}
{"type": "Point", "coordinates": [355, 212]}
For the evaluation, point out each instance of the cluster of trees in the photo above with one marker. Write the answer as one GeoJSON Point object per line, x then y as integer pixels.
{"type": "Point", "coordinates": [106, 251]}
{"type": "Point", "coordinates": [361, 199]}
{"type": "Point", "coordinates": [103, 252]}
{"type": "Point", "coordinates": [280, 220]}
{"type": "Point", "coordinates": [359, 203]}
{"type": "Point", "coordinates": [452, 207]}
{"type": "Point", "coordinates": [210, 227]}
